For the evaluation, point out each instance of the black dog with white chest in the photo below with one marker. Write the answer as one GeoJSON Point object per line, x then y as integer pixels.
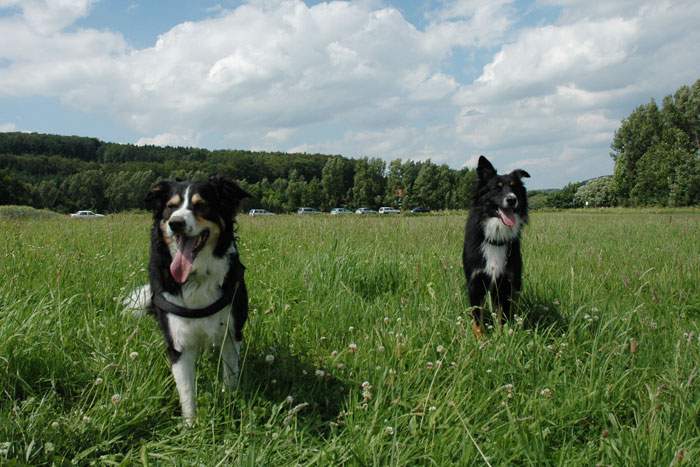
{"type": "Point", "coordinates": [491, 256]}
{"type": "Point", "coordinates": [196, 285]}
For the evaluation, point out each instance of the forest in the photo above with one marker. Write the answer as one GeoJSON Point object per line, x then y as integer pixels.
{"type": "Point", "coordinates": [66, 173]}
{"type": "Point", "coordinates": [656, 154]}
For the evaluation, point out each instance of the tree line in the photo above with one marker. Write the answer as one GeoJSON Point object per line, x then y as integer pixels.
{"type": "Point", "coordinates": [67, 173]}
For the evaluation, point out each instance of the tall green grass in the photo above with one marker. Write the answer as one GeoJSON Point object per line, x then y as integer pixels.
{"type": "Point", "coordinates": [374, 360]}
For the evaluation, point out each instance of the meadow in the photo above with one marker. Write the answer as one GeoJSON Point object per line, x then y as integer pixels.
{"type": "Point", "coordinates": [359, 349]}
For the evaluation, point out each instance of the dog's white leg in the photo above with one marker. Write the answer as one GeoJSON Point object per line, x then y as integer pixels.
{"type": "Point", "coordinates": [184, 374]}
{"type": "Point", "coordinates": [230, 355]}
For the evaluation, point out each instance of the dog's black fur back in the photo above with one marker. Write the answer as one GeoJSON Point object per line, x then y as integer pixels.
{"type": "Point", "coordinates": [491, 257]}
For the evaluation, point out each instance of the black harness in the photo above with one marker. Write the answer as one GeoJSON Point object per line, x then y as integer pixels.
{"type": "Point", "coordinates": [228, 292]}
{"type": "Point", "coordinates": [498, 243]}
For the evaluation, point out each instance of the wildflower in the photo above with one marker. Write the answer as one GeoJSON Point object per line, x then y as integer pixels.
{"type": "Point", "coordinates": [274, 381]}
{"type": "Point", "coordinates": [511, 331]}
{"type": "Point", "coordinates": [389, 431]}
{"type": "Point", "coordinates": [440, 349]}
{"type": "Point", "coordinates": [340, 365]}
{"type": "Point", "coordinates": [380, 348]}
{"type": "Point", "coordinates": [429, 365]}
{"type": "Point", "coordinates": [546, 392]}
{"type": "Point", "coordinates": [49, 447]}
{"type": "Point", "coordinates": [134, 355]}
{"type": "Point", "coordinates": [116, 399]}
{"type": "Point", "coordinates": [289, 400]}
{"type": "Point", "coordinates": [509, 390]}
{"type": "Point", "coordinates": [54, 425]}
{"type": "Point", "coordinates": [86, 419]}
{"type": "Point", "coordinates": [99, 381]}
{"type": "Point", "coordinates": [351, 328]}
{"type": "Point", "coordinates": [352, 347]}
{"type": "Point", "coordinates": [334, 353]}
{"type": "Point", "coordinates": [432, 408]}
{"type": "Point", "coordinates": [269, 358]}
{"type": "Point", "coordinates": [438, 364]}
{"type": "Point", "coordinates": [366, 391]}
{"type": "Point", "coordinates": [320, 373]}
{"type": "Point", "coordinates": [386, 320]}
{"type": "Point", "coordinates": [5, 448]}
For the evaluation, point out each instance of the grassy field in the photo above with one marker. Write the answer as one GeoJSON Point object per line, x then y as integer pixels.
{"type": "Point", "coordinates": [374, 360]}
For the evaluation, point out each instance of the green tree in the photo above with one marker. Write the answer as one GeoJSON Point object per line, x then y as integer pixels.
{"type": "Point", "coordinates": [564, 198]}
{"type": "Point", "coordinates": [638, 132]}
{"type": "Point", "coordinates": [333, 185]}
{"type": "Point", "coordinates": [596, 193]}
{"type": "Point", "coordinates": [368, 183]}
{"type": "Point", "coordinates": [665, 166]}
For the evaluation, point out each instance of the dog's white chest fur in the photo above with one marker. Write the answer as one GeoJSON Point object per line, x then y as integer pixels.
{"type": "Point", "coordinates": [496, 257]}
{"type": "Point", "coordinates": [199, 334]}
{"type": "Point", "coordinates": [202, 289]}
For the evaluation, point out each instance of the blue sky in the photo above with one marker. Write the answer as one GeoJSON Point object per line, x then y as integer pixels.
{"type": "Point", "coordinates": [539, 84]}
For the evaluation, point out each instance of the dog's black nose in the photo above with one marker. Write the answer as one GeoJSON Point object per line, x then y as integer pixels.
{"type": "Point", "coordinates": [511, 200]}
{"type": "Point", "coordinates": [176, 224]}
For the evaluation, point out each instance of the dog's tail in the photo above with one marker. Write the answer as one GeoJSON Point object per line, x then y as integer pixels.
{"type": "Point", "coordinates": [138, 301]}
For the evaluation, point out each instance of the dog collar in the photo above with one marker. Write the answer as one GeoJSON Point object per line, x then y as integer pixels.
{"type": "Point", "coordinates": [228, 293]}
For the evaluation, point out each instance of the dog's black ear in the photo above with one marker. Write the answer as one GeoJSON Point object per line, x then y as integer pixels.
{"type": "Point", "coordinates": [229, 193]}
{"type": "Point", "coordinates": [520, 173]}
{"type": "Point", "coordinates": [485, 169]}
{"type": "Point", "coordinates": [157, 195]}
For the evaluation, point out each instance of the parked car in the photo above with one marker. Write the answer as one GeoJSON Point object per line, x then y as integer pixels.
{"type": "Point", "coordinates": [388, 210]}
{"type": "Point", "coordinates": [86, 215]}
{"type": "Point", "coordinates": [419, 210]}
{"type": "Point", "coordinates": [365, 211]}
{"type": "Point", "coordinates": [339, 211]}
{"type": "Point", "coordinates": [260, 212]}
{"type": "Point", "coordinates": [308, 211]}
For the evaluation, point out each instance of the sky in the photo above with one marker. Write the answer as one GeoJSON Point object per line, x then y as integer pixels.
{"type": "Point", "coordinates": [540, 85]}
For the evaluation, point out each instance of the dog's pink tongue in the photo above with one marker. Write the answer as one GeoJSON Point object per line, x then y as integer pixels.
{"type": "Point", "coordinates": [508, 218]}
{"type": "Point", "coordinates": [181, 265]}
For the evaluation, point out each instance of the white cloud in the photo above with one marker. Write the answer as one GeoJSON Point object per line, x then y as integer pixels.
{"type": "Point", "coordinates": [357, 78]}
{"type": "Point", "coordinates": [5, 127]}
{"type": "Point", "coordinates": [169, 139]}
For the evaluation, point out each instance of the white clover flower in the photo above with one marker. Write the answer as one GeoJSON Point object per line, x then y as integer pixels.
{"type": "Point", "coordinates": [49, 447]}
{"type": "Point", "coordinates": [320, 373]}
{"type": "Point", "coordinates": [86, 419]}
{"type": "Point", "coordinates": [440, 349]}
{"type": "Point", "coordinates": [54, 425]}
{"type": "Point", "coordinates": [269, 358]}
{"type": "Point", "coordinates": [389, 430]}
{"type": "Point", "coordinates": [386, 320]}
{"type": "Point", "coordinates": [352, 347]}
{"type": "Point", "coordinates": [546, 392]}
{"type": "Point", "coordinates": [116, 399]}
{"type": "Point", "coordinates": [134, 355]}
{"type": "Point", "coordinates": [334, 353]}
{"type": "Point", "coordinates": [5, 448]}
{"type": "Point", "coordinates": [351, 328]}
{"type": "Point", "coordinates": [340, 365]}
{"type": "Point", "coordinates": [429, 365]}
{"type": "Point", "coordinates": [432, 408]}
{"type": "Point", "coordinates": [289, 400]}
{"type": "Point", "coordinates": [380, 348]}
{"type": "Point", "coordinates": [98, 381]}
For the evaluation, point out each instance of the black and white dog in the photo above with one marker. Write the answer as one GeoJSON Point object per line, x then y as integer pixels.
{"type": "Point", "coordinates": [196, 289]}
{"type": "Point", "coordinates": [491, 256]}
